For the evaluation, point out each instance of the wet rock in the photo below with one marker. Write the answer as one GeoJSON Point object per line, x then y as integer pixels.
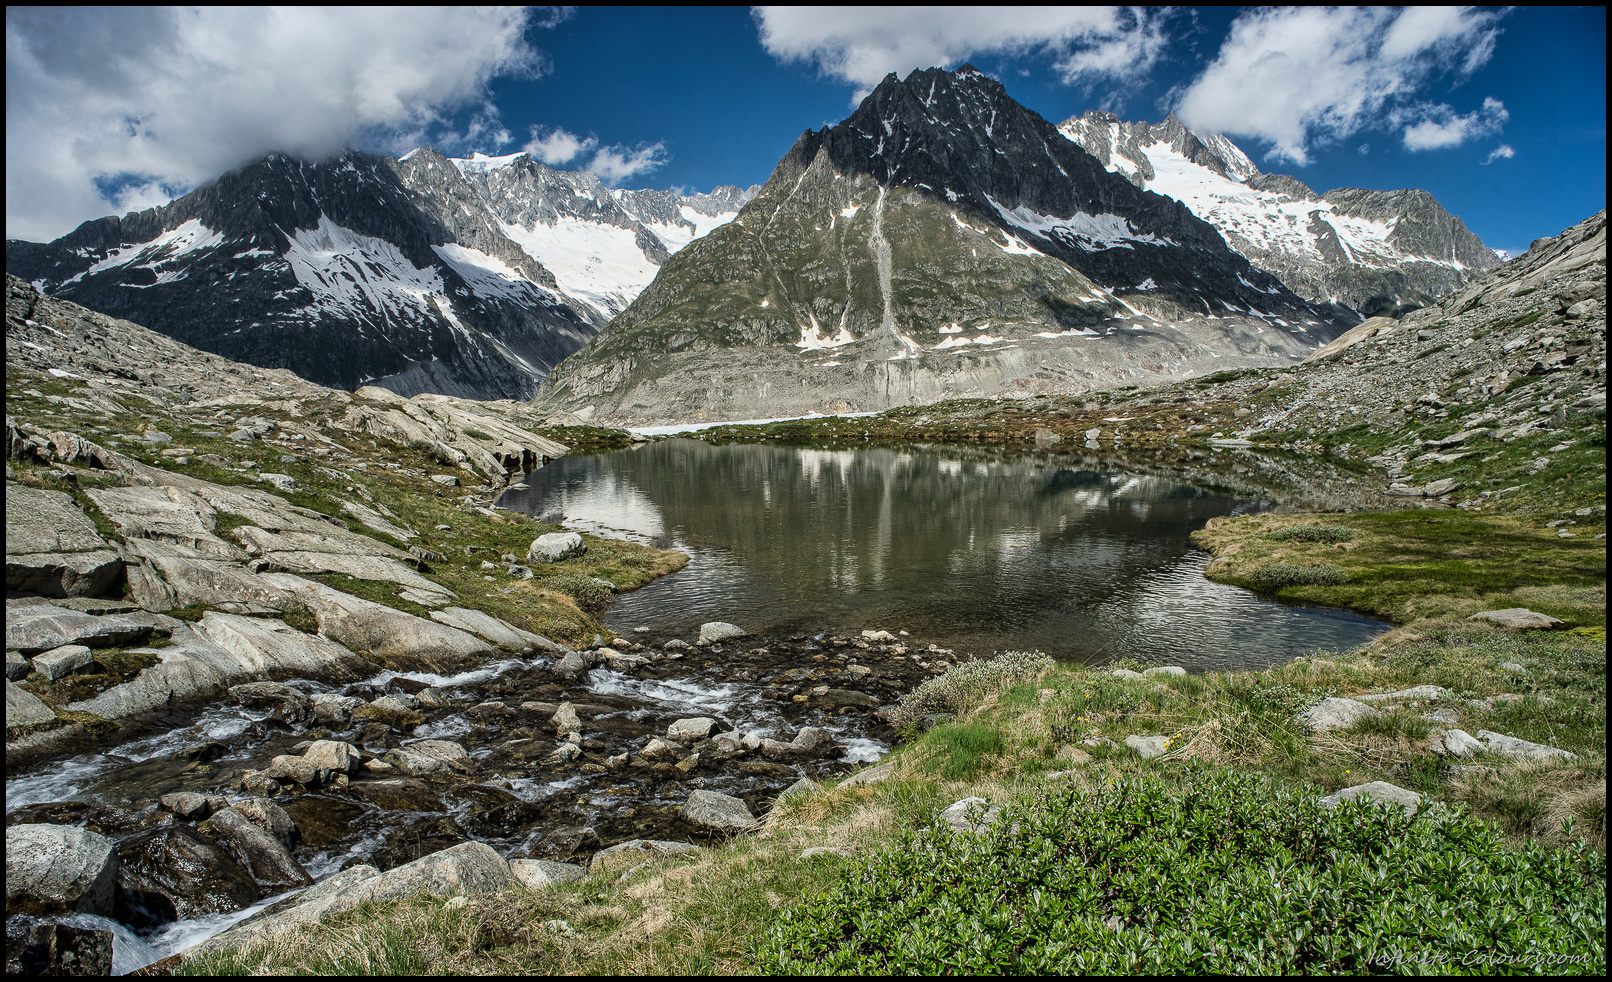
{"type": "Point", "coordinates": [333, 709]}
{"type": "Point", "coordinates": [764, 768]}
{"type": "Point", "coordinates": [565, 720]}
{"type": "Point", "coordinates": [269, 817]}
{"type": "Point", "coordinates": [58, 869]}
{"type": "Point", "coordinates": [555, 547]}
{"type": "Point", "coordinates": [23, 708]}
{"type": "Point", "coordinates": [778, 748]}
{"type": "Point", "coordinates": [565, 842]}
{"type": "Point", "coordinates": [656, 747]}
{"type": "Point", "coordinates": [186, 804]}
{"type": "Point", "coordinates": [493, 811]}
{"type": "Point", "coordinates": [849, 697]}
{"type": "Point", "coordinates": [268, 860]}
{"type": "Point", "coordinates": [570, 665]}
{"type": "Point", "coordinates": [1334, 714]}
{"type": "Point", "coordinates": [814, 739]}
{"type": "Point", "coordinates": [47, 948]}
{"type": "Point", "coordinates": [287, 704]}
{"type": "Point", "coordinates": [174, 873]}
{"type": "Point", "coordinates": [1380, 792]}
{"type": "Point", "coordinates": [714, 811]}
{"type": "Point", "coordinates": [714, 631]}
{"type": "Point", "coordinates": [1519, 618]}
{"type": "Point", "coordinates": [432, 697]}
{"type": "Point", "coordinates": [690, 730]}
{"type": "Point", "coordinates": [43, 627]}
{"type": "Point", "coordinates": [564, 755]}
{"type": "Point", "coordinates": [539, 874]}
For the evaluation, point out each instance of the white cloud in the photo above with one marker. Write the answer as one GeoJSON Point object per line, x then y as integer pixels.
{"type": "Point", "coordinates": [1440, 126]}
{"type": "Point", "coordinates": [557, 146]}
{"type": "Point", "coordinates": [1298, 76]}
{"type": "Point", "coordinates": [615, 164]}
{"type": "Point", "coordinates": [152, 97]}
{"type": "Point", "coordinates": [1502, 152]}
{"type": "Point", "coordinates": [862, 45]}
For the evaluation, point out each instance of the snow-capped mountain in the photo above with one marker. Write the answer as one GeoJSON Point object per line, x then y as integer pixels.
{"type": "Point", "coordinates": [1375, 251]}
{"type": "Point", "coordinates": [941, 241]}
{"type": "Point", "coordinates": [421, 274]}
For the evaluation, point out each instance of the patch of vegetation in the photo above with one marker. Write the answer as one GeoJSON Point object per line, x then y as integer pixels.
{"type": "Point", "coordinates": [112, 666]}
{"type": "Point", "coordinates": [960, 749]}
{"type": "Point", "coordinates": [1312, 533]}
{"type": "Point", "coordinates": [968, 683]}
{"type": "Point", "coordinates": [1221, 873]}
{"type": "Point", "coordinates": [1275, 575]}
{"type": "Point", "coordinates": [591, 595]}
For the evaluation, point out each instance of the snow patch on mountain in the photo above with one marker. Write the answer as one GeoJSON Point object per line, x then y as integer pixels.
{"type": "Point", "coordinates": [356, 275]}
{"type": "Point", "coordinates": [192, 236]}
{"type": "Point", "coordinates": [1089, 232]}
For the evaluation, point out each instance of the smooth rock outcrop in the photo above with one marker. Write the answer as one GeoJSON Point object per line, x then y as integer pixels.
{"type": "Point", "coordinates": [691, 730]}
{"type": "Point", "coordinates": [486, 626]}
{"type": "Point", "coordinates": [1515, 747]}
{"type": "Point", "coordinates": [43, 627]}
{"type": "Point", "coordinates": [23, 708]}
{"type": "Point", "coordinates": [63, 574]}
{"type": "Point", "coordinates": [59, 869]}
{"type": "Point", "coordinates": [269, 647]}
{"type": "Point", "coordinates": [1148, 746]}
{"type": "Point", "coordinates": [411, 643]}
{"type": "Point", "coordinates": [972, 814]}
{"type": "Point", "coordinates": [268, 860]}
{"type": "Point", "coordinates": [59, 662]}
{"type": "Point", "coordinates": [541, 874]}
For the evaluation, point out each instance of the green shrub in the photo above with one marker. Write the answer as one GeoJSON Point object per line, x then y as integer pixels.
{"type": "Point", "coordinates": [1312, 533]}
{"type": "Point", "coordinates": [968, 684]}
{"type": "Point", "coordinates": [1218, 873]}
{"type": "Point", "coordinates": [1274, 575]}
{"type": "Point", "coordinates": [591, 593]}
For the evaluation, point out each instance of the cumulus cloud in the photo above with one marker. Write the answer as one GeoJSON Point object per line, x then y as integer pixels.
{"type": "Point", "coordinates": [146, 100]}
{"type": "Point", "coordinates": [613, 165]}
{"type": "Point", "coordinates": [1440, 126]}
{"type": "Point", "coordinates": [1298, 76]}
{"type": "Point", "coordinates": [861, 45]}
{"type": "Point", "coordinates": [556, 146]}
{"type": "Point", "coordinates": [1502, 152]}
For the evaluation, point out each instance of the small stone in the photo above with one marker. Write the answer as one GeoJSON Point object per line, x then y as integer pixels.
{"type": "Point", "coordinates": [1165, 670]}
{"type": "Point", "coordinates": [555, 547]}
{"type": "Point", "coordinates": [714, 631]}
{"type": "Point", "coordinates": [716, 811]}
{"type": "Point", "coordinates": [691, 730]}
{"type": "Point", "coordinates": [541, 874]}
{"type": "Point", "coordinates": [446, 480]}
{"type": "Point", "coordinates": [61, 662]}
{"type": "Point", "coordinates": [1148, 746]}
{"type": "Point", "coordinates": [1456, 743]}
{"type": "Point", "coordinates": [1334, 714]}
{"type": "Point", "coordinates": [187, 805]}
{"type": "Point", "coordinates": [971, 814]}
{"type": "Point", "coordinates": [1520, 618]}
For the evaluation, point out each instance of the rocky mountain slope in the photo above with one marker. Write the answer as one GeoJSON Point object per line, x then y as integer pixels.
{"type": "Point", "coordinates": [467, 277]}
{"type": "Point", "coordinates": [943, 240]}
{"type": "Point", "coordinates": [1379, 252]}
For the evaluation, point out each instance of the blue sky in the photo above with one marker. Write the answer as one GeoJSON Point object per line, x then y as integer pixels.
{"type": "Point", "coordinates": [1500, 113]}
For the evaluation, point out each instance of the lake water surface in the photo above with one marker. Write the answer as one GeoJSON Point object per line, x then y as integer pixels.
{"type": "Point", "coordinates": [971, 551]}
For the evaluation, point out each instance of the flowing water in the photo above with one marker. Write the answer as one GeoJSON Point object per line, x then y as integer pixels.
{"type": "Point", "coordinates": [978, 552]}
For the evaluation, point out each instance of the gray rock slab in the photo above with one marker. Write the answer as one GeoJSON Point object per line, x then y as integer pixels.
{"type": "Point", "coordinates": [716, 811]}
{"type": "Point", "coordinates": [60, 662]}
{"type": "Point", "coordinates": [375, 520]}
{"type": "Point", "coordinates": [1148, 746]}
{"type": "Point", "coordinates": [1456, 743]}
{"type": "Point", "coordinates": [59, 869]}
{"type": "Point", "coordinates": [17, 667]}
{"type": "Point", "coordinates": [1515, 747]}
{"type": "Point", "coordinates": [486, 626]}
{"type": "Point", "coordinates": [166, 514]}
{"type": "Point", "coordinates": [691, 730]}
{"type": "Point", "coordinates": [1127, 674]}
{"type": "Point", "coordinates": [714, 631]}
{"type": "Point", "coordinates": [555, 547]}
{"type": "Point", "coordinates": [63, 574]}
{"type": "Point", "coordinates": [191, 668]}
{"type": "Point", "coordinates": [657, 847]}
{"type": "Point", "coordinates": [872, 775]}
{"type": "Point", "coordinates": [1334, 714]}
{"type": "Point", "coordinates": [164, 575]}
{"type": "Point", "coordinates": [1380, 792]}
{"type": "Point", "coordinates": [972, 814]}
{"type": "Point", "coordinates": [266, 647]}
{"type": "Point", "coordinates": [43, 627]}
{"type": "Point", "coordinates": [23, 708]}
{"type": "Point", "coordinates": [540, 874]}
{"type": "Point", "coordinates": [849, 697]}
{"type": "Point", "coordinates": [411, 643]}
{"type": "Point", "coordinates": [1519, 618]}
{"type": "Point", "coordinates": [47, 521]}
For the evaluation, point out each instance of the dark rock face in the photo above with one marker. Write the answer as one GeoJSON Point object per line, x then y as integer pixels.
{"type": "Point", "coordinates": [45, 948]}
{"type": "Point", "coordinates": [172, 872]}
{"type": "Point", "coordinates": [349, 271]}
{"type": "Point", "coordinates": [1407, 251]}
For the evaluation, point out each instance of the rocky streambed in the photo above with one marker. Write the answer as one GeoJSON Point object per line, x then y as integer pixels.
{"type": "Point", "coordinates": [205, 817]}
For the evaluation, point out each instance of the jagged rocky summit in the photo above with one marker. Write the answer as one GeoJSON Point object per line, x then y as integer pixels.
{"type": "Point", "coordinates": [942, 241]}
{"type": "Point", "coordinates": [468, 278]}
{"type": "Point", "coordinates": [1379, 252]}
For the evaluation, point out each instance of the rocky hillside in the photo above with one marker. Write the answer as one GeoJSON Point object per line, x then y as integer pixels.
{"type": "Point", "coordinates": [1378, 252]}
{"type": "Point", "coordinates": [468, 277]}
{"type": "Point", "coordinates": [941, 241]}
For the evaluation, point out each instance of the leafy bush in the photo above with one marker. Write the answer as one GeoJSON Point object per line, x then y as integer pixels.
{"type": "Point", "coordinates": [968, 684]}
{"type": "Point", "coordinates": [1275, 575]}
{"type": "Point", "coordinates": [1312, 533]}
{"type": "Point", "coordinates": [1218, 874]}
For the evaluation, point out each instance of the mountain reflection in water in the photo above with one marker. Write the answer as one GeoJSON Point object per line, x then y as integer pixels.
{"type": "Point", "coordinates": [973, 552]}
